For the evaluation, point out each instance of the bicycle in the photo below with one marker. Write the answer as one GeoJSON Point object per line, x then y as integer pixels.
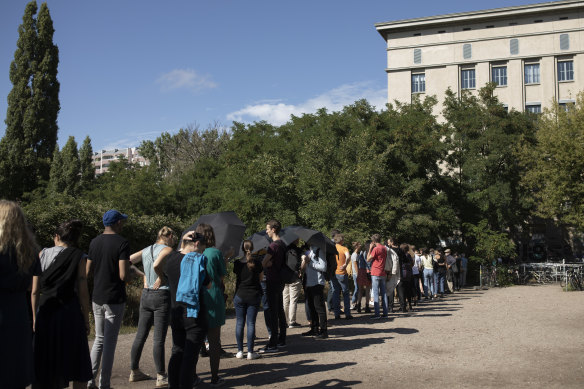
{"type": "Point", "coordinates": [573, 279]}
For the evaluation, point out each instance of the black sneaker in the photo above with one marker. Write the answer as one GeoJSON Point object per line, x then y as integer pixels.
{"type": "Point", "coordinates": [267, 350]}
{"type": "Point", "coordinates": [348, 317]}
{"type": "Point", "coordinates": [204, 353]}
{"type": "Point", "coordinates": [309, 333]}
{"type": "Point", "coordinates": [281, 344]}
{"type": "Point", "coordinates": [294, 325]}
{"type": "Point", "coordinates": [322, 335]}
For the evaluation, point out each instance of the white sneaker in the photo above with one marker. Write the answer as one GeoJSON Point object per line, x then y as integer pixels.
{"type": "Point", "coordinates": [239, 355]}
{"type": "Point", "coordinates": [251, 356]}
{"type": "Point", "coordinates": [161, 381]}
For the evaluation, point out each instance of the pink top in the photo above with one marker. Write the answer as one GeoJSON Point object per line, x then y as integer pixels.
{"type": "Point", "coordinates": [379, 254]}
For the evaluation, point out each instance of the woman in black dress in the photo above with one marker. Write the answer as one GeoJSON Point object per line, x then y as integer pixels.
{"type": "Point", "coordinates": [18, 263]}
{"type": "Point", "coordinates": [61, 352]}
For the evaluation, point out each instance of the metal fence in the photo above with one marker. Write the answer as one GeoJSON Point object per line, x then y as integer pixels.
{"type": "Point", "coordinates": [529, 273]}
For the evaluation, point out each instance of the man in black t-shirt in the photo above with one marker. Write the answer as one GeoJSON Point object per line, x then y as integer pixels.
{"type": "Point", "coordinates": [109, 256]}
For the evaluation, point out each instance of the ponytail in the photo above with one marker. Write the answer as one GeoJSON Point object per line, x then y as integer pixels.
{"type": "Point", "coordinates": [247, 247]}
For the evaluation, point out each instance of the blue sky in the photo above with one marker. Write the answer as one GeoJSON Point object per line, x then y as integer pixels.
{"type": "Point", "coordinates": [130, 70]}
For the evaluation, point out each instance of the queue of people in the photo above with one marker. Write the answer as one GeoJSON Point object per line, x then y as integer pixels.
{"type": "Point", "coordinates": [183, 288]}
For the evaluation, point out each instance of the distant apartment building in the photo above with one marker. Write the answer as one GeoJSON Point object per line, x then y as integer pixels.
{"type": "Point", "coordinates": [103, 158]}
{"type": "Point", "coordinates": [534, 53]}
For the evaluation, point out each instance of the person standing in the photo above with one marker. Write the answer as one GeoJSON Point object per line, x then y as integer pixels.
{"type": "Point", "coordinates": [314, 267]}
{"type": "Point", "coordinates": [291, 291]}
{"type": "Point", "coordinates": [405, 286]}
{"type": "Point", "coordinates": [376, 256]}
{"type": "Point", "coordinates": [439, 272]}
{"type": "Point", "coordinates": [61, 324]}
{"type": "Point", "coordinates": [188, 326]}
{"type": "Point", "coordinates": [18, 263]}
{"type": "Point", "coordinates": [451, 271]}
{"type": "Point", "coordinates": [341, 279]}
{"type": "Point", "coordinates": [362, 276]}
{"type": "Point", "coordinates": [154, 308]}
{"type": "Point", "coordinates": [248, 293]}
{"type": "Point", "coordinates": [429, 284]}
{"type": "Point", "coordinates": [109, 255]}
{"type": "Point", "coordinates": [463, 270]}
{"type": "Point", "coordinates": [393, 275]}
{"type": "Point", "coordinates": [272, 263]}
{"type": "Point", "coordinates": [214, 301]}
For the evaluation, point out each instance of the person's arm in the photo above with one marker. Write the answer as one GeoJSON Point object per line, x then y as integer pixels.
{"type": "Point", "coordinates": [124, 266]}
{"type": "Point", "coordinates": [88, 267]}
{"type": "Point", "coordinates": [83, 292]}
{"type": "Point", "coordinates": [370, 253]}
{"type": "Point", "coordinates": [319, 264]}
{"type": "Point", "coordinates": [136, 257]}
{"type": "Point", "coordinates": [303, 264]}
{"type": "Point", "coordinates": [347, 259]}
{"type": "Point", "coordinates": [34, 298]}
{"type": "Point", "coordinates": [267, 261]}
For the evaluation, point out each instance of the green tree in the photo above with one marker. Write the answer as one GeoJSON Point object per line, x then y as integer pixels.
{"type": "Point", "coordinates": [56, 177]}
{"type": "Point", "coordinates": [481, 161]}
{"type": "Point", "coordinates": [33, 105]}
{"type": "Point", "coordinates": [555, 164]}
{"type": "Point", "coordinates": [70, 167]}
{"type": "Point", "coordinates": [87, 170]}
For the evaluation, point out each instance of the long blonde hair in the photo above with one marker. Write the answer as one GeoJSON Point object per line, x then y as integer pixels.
{"type": "Point", "coordinates": [16, 236]}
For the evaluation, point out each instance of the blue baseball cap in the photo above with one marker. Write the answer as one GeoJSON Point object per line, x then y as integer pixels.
{"type": "Point", "coordinates": [112, 216]}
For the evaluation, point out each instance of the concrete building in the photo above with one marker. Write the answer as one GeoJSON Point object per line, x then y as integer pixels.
{"type": "Point", "coordinates": [535, 53]}
{"type": "Point", "coordinates": [103, 158]}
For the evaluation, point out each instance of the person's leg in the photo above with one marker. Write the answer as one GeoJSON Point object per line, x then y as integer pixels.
{"type": "Point", "coordinates": [266, 308]}
{"type": "Point", "coordinates": [114, 313]}
{"type": "Point", "coordinates": [401, 295]}
{"type": "Point", "coordinates": [295, 289]}
{"type": "Point", "coordinates": [329, 297]}
{"type": "Point", "coordinates": [383, 295]}
{"type": "Point", "coordinates": [251, 314]}
{"type": "Point", "coordinates": [344, 283]}
{"type": "Point", "coordinates": [435, 283]}
{"type": "Point", "coordinates": [367, 298]}
{"type": "Point", "coordinates": [282, 324]}
{"type": "Point", "coordinates": [375, 281]}
{"type": "Point", "coordinates": [194, 337]}
{"type": "Point", "coordinates": [161, 319]}
{"type": "Point", "coordinates": [390, 292]}
{"type": "Point", "coordinates": [97, 348]}
{"type": "Point", "coordinates": [355, 290]}
{"type": "Point", "coordinates": [336, 295]}
{"type": "Point", "coordinates": [320, 310]}
{"type": "Point", "coordinates": [359, 298]}
{"type": "Point", "coordinates": [145, 321]}
{"type": "Point", "coordinates": [178, 344]}
{"type": "Point", "coordinates": [214, 334]}
{"type": "Point", "coordinates": [310, 298]}
{"type": "Point", "coordinates": [273, 295]}
{"type": "Point", "coordinates": [286, 301]}
{"type": "Point", "coordinates": [240, 314]}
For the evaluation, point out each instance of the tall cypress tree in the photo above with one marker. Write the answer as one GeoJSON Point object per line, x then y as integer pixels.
{"type": "Point", "coordinates": [33, 105]}
{"type": "Point", "coordinates": [70, 169]}
{"type": "Point", "coordinates": [56, 178]}
{"type": "Point", "coordinates": [86, 163]}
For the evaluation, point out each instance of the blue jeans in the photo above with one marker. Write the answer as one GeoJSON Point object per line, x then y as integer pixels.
{"type": "Point", "coordinates": [439, 282]}
{"type": "Point", "coordinates": [245, 312]}
{"type": "Point", "coordinates": [378, 288]}
{"type": "Point", "coordinates": [266, 307]}
{"type": "Point", "coordinates": [429, 283]}
{"type": "Point", "coordinates": [108, 320]}
{"type": "Point", "coordinates": [154, 310]}
{"type": "Point", "coordinates": [341, 283]}
{"type": "Point", "coordinates": [356, 290]}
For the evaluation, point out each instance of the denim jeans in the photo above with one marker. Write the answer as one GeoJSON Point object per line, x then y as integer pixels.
{"type": "Point", "coordinates": [266, 307]}
{"type": "Point", "coordinates": [245, 312]}
{"type": "Point", "coordinates": [154, 309]}
{"type": "Point", "coordinates": [108, 320]}
{"type": "Point", "coordinates": [341, 284]}
{"type": "Point", "coordinates": [356, 290]}
{"type": "Point", "coordinates": [439, 279]}
{"type": "Point", "coordinates": [378, 287]}
{"type": "Point", "coordinates": [429, 283]}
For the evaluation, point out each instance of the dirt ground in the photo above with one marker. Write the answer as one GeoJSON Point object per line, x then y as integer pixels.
{"type": "Point", "coordinates": [522, 336]}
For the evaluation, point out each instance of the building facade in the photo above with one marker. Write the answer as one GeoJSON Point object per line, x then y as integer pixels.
{"type": "Point", "coordinates": [103, 158]}
{"type": "Point", "coordinates": [534, 53]}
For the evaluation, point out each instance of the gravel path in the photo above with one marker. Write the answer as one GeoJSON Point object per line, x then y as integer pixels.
{"type": "Point", "coordinates": [523, 336]}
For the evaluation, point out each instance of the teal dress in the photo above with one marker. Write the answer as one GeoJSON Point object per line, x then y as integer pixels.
{"type": "Point", "coordinates": [213, 297]}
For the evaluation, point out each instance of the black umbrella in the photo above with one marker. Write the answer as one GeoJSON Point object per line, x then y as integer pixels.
{"type": "Point", "coordinates": [260, 241]}
{"type": "Point", "coordinates": [312, 237]}
{"type": "Point", "coordinates": [228, 230]}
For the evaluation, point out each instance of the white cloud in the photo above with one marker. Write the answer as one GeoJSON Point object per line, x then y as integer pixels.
{"type": "Point", "coordinates": [185, 79]}
{"type": "Point", "coordinates": [278, 113]}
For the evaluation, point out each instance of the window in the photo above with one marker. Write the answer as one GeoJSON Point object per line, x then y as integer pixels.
{"type": "Point", "coordinates": [532, 73]}
{"type": "Point", "coordinates": [467, 51]}
{"type": "Point", "coordinates": [564, 42]}
{"type": "Point", "coordinates": [566, 71]}
{"type": "Point", "coordinates": [419, 83]}
{"type": "Point", "coordinates": [417, 55]}
{"type": "Point", "coordinates": [566, 105]}
{"type": "Point", "coordinates": [514, 46]}
{"type": "Point", "coordinates": [499, 75]}
{"type": "Point", "coordinates": [533, 108]}
{"type": "Point", "coordinates": [467, 78]}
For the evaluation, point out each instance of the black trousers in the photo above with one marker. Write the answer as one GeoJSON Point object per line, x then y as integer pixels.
{"type": "Point", "coordinates": [404, 291]}
{"type": "Point", "coordinates": [416, 286]}
{"type": "Point", "coordinates": [277, 317]}
{"type": "Point", "coordinates": [315, 299]}
{"type": "Point", "coordinates": [188, 335]}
